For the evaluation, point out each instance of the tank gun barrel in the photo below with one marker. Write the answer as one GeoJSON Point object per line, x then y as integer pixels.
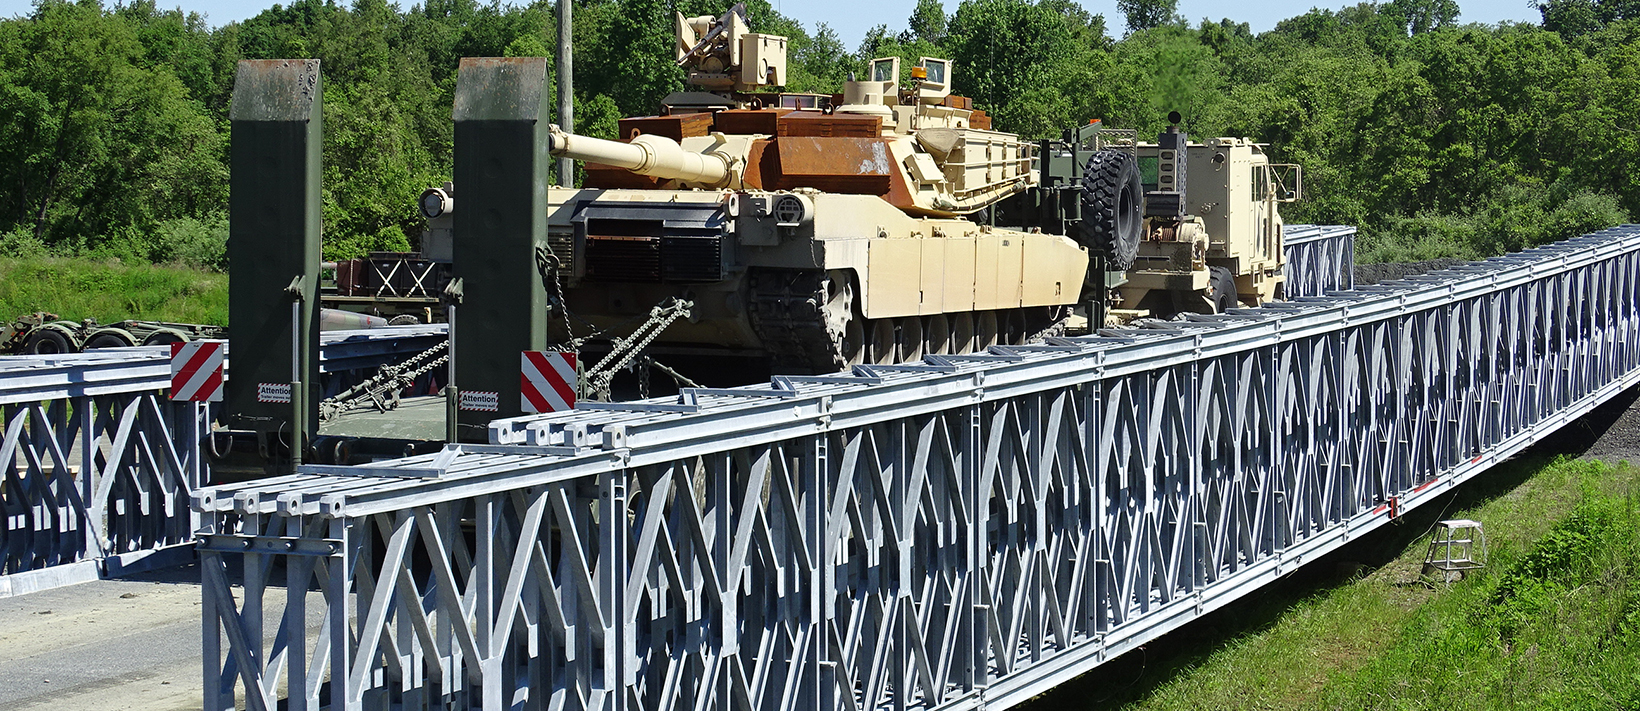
{"type": "Point", "coordinates": [647, 154]}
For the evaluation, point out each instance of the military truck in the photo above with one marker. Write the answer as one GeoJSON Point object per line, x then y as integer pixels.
{"type": "Point", "coordinates": [1206, 239]}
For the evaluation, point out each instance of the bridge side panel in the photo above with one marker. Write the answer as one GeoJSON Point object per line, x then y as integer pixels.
{"type": "Point", "coordinates": [973, 546]}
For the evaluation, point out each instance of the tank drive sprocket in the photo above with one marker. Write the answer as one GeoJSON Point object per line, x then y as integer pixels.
{"type": "Point", "coordinates": [805, 318]}
{"type": "Point", "coordinates": [1112, 204]}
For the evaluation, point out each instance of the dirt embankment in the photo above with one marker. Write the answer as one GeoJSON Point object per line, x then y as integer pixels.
{"type": "Point", "coordinates": [1366, 274]}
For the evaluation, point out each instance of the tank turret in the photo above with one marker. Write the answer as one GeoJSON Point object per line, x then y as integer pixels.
{"type": "Point", "coordinates": [919, 149]}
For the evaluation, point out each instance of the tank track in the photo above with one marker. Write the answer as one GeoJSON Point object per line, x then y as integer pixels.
{"type": "Point", "coordinates": [788, 312]}
{"type": "Point", "coordinates": [787, 308]}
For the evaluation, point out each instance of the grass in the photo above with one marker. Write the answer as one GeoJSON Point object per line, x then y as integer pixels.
{"type": "Point", "coordinates": [79, 288]}
{"type": "Point", "coordinates": [1552, 622]}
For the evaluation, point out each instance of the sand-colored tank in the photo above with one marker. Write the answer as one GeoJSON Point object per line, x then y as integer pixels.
{"type": "Point", "coordinates": [818, 238]}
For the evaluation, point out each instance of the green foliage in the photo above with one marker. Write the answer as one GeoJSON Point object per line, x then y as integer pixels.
{"type": "Point", "coordinates": [1566, 530]}
{"type": "Point", "coordinates": [1148, 14]}
{"type": "Point", "coordinates": [1437, 139]}
{"type": "Point", "coordinates": [112, 291]}
{"type": "Point", "coordinates": [101, 143]}
{"type": "Point", "coordinates": [927, 23]}
{"type": "Point", "coordinates": [200, 244]}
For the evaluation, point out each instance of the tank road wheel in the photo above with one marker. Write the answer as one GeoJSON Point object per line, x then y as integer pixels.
{"type": "Point", "coordinates": [1112, 200]}
{"type": "Point", "coordinates": [1222, 289]}
{"type": "Point", "coordinates": [879, 346]}
{"type": "Point", "coordinates": [1013, 328]}
{"type": "Point", "coordinates": [937, 335]}
{"type": "Point", "coordinates": [911, 339]}
{"type": "Point", "coordinates": [47, 341]}
{"type": "Point", "coordinates": [962, 333]}
{"type": "Point", "coordinates": [985, 330]}
{"type": "Point", "coordinates": [854, 342]}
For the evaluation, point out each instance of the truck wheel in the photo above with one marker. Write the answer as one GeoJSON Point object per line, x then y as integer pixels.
{"type": "Point", "coordinates": [47, 341]}
{"type": "Point", "coordinates": [107, 340]}
{"type": "Point", "coordinates": [1223, 286]}
{"type": "Point", "coordinates": [1112, 200]}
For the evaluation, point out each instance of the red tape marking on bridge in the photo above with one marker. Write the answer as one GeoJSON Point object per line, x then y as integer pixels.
{"type": "Point", "coordinates": [547, 381]}
{"type": "Point", "coordinates": [196, 371]}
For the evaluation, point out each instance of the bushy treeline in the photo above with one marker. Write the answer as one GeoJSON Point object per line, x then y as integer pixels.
{"type": "Point", "coordinates": [1438, 139]}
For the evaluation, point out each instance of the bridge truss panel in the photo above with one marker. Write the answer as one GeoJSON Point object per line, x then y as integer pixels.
{"type": "Point", "coordinates": [969, 532]}
{"type": "Point", "coordinates": [97, 471]}
{"type": "Point", "coordinates": [98, 466]}
{"type": "Point", "coordinates": [1319, 259]}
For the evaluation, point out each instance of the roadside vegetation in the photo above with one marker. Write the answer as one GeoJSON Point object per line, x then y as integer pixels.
{"type": "Point", "coordinates": [1437, 138]}
{"type": "Point", "coordinates": [1552, 622]}
{"type": "Point", "coordinates": [109, 291]}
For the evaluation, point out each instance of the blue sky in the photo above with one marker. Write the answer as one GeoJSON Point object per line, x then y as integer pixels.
{"type": "Point", "coordinates": [852, 18]}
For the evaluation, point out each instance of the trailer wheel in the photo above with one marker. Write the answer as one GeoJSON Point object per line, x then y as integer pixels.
{"type": "Point", "coordinates": [163, 338]}
{"type": "Point", "coordinates": [1112, 201]}
{"type": "Point", "coordinates": [107, 340]}
{"type": "Point", "coordinates": [47, 341]}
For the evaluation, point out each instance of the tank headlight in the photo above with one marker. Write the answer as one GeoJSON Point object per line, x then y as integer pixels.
{"type": "Point", "coordinates": [436, 203]}
{"type": "Point", "coordinates": [792, 210]}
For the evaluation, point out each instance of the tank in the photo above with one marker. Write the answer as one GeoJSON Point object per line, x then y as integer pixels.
{"type": "Point", "coordinates": [816, 238]}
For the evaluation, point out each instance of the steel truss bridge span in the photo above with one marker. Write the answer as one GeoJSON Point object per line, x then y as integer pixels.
{"type": "Point", "coordinates": [960, 534]}
{"type": "Point", "coordinates": [97, 464]}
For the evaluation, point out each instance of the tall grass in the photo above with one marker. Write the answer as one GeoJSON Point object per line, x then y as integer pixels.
{"type": "Point", "coordinates": [1553, 621]}
{"type": "Point", "coordinates": [107, 290]}
{"type": "Point", "coordinates": [1555, 628]}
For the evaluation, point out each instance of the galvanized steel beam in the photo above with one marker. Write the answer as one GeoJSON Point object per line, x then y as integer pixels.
{"type": "Point", "coordinates": [1320, 259]}
{"type": "Point", "coordinates": [961, 533]}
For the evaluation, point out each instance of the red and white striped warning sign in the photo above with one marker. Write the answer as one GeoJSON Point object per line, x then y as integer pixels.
{"type": "Point", "coordinates": [548, 382]}
{"type": "Point", "coordinates": [196, 370]}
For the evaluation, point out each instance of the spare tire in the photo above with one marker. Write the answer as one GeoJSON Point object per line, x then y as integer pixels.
{"type": "Point", "coordinates": [1112, 201]}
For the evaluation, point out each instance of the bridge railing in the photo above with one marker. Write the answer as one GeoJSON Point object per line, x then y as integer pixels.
{"type": "Point", "coordinates": [970, 531]}
{"type": "Point", "coordinates": [98, 468]}
{"type": "Point", "coordinates": [1320, 259]}
{"type": "Point", "coordinates": [97, 465]}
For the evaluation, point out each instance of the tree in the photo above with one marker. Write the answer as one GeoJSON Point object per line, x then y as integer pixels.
{"type": "Point", "coordinates": [1148, 14]}
{"type": "Point", "coordinates": [100, 146]}
{"type": "Point", "coordinates": [927, 23]}
{"type": "Point", "coordinates": [1420, 16]}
